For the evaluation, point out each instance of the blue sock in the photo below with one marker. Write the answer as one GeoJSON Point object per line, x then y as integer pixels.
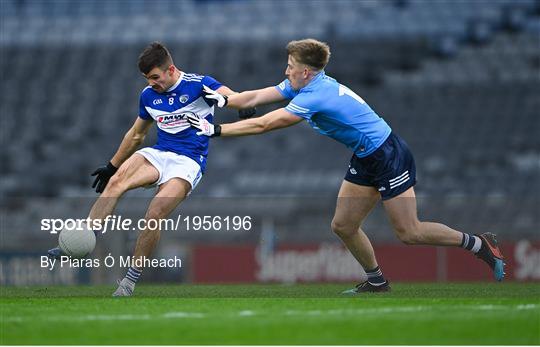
{"type": "Point", "coordinates": [375, 276]}
{"type": "Point", "coordinates": [471, 242]}
{"type": "Point", "coordinates": [133, 274]}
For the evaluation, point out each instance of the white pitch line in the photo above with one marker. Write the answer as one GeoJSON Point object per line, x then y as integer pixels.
{"type": "Point", "coordinates": [183, 315]}
{"type": "Point", "coordinates": [375, 310]}
{"type": "Point", "coordinates": [527, 306]}
{"type": "Point", "coordinates": [489, 307]}
{"type": "Point", "coordinates": [250, 313]}
{"type": "Point", "coordinates": [111, 317]}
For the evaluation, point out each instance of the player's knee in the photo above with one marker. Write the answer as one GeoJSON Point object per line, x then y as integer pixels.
{"type": "Point", "coordinates": [155, 214]}
{"type": "Point", "coordinates": [408, 233]}
{"type": "Point", "coordinates": [408, 238]}
{"type": "Point", "coordinates": [342, 228]}
{"type": "Point", "coordinates": [116, 185]}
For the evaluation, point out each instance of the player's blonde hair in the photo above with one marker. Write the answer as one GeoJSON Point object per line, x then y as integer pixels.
{"type": "Point", "coordinates": [310, 52]}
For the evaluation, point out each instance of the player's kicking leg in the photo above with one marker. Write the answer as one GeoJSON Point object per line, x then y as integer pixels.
{"type": "Point", "coordinates": [402, 212]}
{"type": "Point", "coordinates": [169, 196]}
{"type": "Point", "coordinates": [353, 205]}
{"type": "Point", "coordinates": [135, 172]}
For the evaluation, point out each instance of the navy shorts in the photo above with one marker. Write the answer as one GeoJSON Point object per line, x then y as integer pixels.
{"type": "Point", "coordinates": [390, 168]}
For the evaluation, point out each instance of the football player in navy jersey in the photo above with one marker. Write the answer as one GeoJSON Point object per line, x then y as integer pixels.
{"type": "Point", "coordinates": [381, 168]}
{"type": "Point", "coordinates": [175, 164]}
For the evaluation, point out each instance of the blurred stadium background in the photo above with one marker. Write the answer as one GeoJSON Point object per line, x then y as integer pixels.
{"type": "Point", "coordinates": [459, 80]}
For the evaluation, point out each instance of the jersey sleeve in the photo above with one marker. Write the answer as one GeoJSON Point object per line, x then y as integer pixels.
{"type": "Point", "coordinates": [211, 82]}
{"type": "Point", "coordinates": [303, 105]}
{"type": "Point", "coordinates": [143, 113]}
{"type": "Point", "coordinates": [285, 89]}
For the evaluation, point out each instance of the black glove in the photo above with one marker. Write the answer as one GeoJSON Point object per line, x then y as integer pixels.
{"type": "Point", "coordinates": [247, 113]}
{"type": "Point", "coordinates": [103, 173]}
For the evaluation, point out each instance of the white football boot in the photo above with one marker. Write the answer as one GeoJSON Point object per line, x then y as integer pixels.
{"type": "Point", "coordinates": [125, 288]}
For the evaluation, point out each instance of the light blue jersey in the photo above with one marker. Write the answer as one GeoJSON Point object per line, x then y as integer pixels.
{"type": "Point", "coordinates": [336, 111]}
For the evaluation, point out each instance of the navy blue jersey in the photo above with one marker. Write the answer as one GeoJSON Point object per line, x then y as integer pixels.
{"type": "Point", "coordinates": [336, 111]}
{"type": "Point", "coordinates": [169, 109]}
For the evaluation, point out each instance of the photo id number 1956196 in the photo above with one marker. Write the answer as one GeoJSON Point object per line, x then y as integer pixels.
{"type": "Point", "coordinates": [216, 223]}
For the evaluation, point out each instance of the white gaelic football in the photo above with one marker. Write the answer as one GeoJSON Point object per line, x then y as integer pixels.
{"type": "Point", "coordinates": [77, 243]}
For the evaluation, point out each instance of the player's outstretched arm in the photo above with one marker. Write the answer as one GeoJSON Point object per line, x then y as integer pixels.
{"type": "Point", "coordinates": [277, 119]}
{"type": "Point", "coordinates": [219, 97]}
{"type": "Point", "coordinates": [132, 140]}
{"type": "Point", "coordinates": [224, 90]}
{"type": "Point", "coordinates": [252, 98]}
{"type": "Point", "coordinates": [244, 100]}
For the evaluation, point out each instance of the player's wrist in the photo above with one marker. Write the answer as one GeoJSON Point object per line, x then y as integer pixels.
{"type": "Point", "coordinates": [217, 130]}
{"type": "Point", "coordinates": [111, 167]}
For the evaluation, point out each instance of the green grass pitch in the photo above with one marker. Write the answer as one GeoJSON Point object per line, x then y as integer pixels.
{"type": "Point", "coordinates": [435, 314]}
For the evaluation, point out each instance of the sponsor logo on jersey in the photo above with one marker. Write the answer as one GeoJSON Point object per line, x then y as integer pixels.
{"type": "Point", "coordinates": [184, 98]}
{"type": "Point", "coordinates": [353, 171]}
{"type": "Point", "coordinates": [282, 86]}
{"type": "Point", "coordinates": [381, 189]}
{"type": "Point", "coordinates": [173, 120]}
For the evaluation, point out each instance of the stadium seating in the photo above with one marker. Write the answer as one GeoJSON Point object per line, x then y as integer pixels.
{"type": "Point", "coordinates": [117, 21]}
{"type": "Point", "coordinates": [70, 90]}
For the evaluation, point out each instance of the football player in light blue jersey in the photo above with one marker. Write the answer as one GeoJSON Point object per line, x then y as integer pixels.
{"type": "Point", "coordinates": [175, 164]}
{"type": "Point", "coordinates": [381, 167]}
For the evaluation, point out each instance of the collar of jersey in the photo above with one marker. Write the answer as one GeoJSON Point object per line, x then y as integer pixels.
{"type": "Point", "coordinates": [177, 83]}
{"type": "Point", "coordinates": [311, 83]}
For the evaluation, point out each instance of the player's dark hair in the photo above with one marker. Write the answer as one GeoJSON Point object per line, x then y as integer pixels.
{"type": "Point", "coordinates": [154, 55]}
{"type": "Point", "coordinates": [310, 52]}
